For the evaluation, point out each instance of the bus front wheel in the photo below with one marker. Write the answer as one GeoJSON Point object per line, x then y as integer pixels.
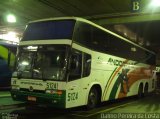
{"type": "Point", "coordinates": [92, 98]}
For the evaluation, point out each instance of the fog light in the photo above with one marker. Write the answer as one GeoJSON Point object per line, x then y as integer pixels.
{"type": "Point", "coordinates": [15, 88]}
{"type": "Point", "coordinates": [54, 101]}
{"type": "Point", "coordinates": [14, 96]}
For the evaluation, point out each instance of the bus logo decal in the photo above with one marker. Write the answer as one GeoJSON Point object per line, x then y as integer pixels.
{"type": "Point", "coordinates": [30, 88]}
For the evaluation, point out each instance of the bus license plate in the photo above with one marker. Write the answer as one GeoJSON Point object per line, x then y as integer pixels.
{"type": "Point", "coordinates": [30, 98]}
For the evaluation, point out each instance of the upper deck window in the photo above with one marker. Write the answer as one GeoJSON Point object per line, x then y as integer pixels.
{"type": "Point", "coordinates": [44, 30]}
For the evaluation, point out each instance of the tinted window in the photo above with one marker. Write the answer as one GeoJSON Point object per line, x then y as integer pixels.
{"type": "Point", "coordinates": [118, 47]}
{"type": "Point", "coordinates": [49, 30]}
{"type": "Point", "coordinates": [83, 34]}
{"type": "Point", "coordinates": [101, 41]}
{"type": "Point", "coordinates": [150, 58]}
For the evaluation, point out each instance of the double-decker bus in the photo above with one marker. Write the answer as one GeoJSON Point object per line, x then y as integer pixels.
{"type": "Point", "coordinates": [7, 62]}
{"type": "Point", "coordinates": [68, 62]}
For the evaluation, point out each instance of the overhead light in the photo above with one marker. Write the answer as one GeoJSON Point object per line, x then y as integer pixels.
{"type": "Point", "coordinates": [10, 36]}
{"type": "Point", "coordinates": [11, 18]}
{"type": "Point", "coordinates": [155, 3]}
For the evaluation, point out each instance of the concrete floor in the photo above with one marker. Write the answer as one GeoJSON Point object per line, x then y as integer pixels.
{"type": "Point", "coordinates": [148, 107]}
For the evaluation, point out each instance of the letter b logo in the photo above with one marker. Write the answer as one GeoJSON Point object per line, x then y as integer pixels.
{"type": "Point", "coordinates": [135, 5]}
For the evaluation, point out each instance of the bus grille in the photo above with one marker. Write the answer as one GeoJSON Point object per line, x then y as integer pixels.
{"type": "Point", "coordinates": [36, 91]}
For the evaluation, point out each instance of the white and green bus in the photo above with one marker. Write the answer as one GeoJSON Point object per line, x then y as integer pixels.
{"type": "Point", "coordinates": [68, 62]}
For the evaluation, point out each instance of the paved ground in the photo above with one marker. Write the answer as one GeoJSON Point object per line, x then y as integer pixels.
{"type": "Point", "coordinates": [6, 100]}
{"type": "Point", "coordinates": [5, 94]}
{"type": "Point", "coordinates": [145, 108]}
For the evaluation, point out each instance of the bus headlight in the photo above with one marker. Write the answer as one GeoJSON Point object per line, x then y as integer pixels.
{"type": "Point", "coordinates": [13, 82]}
{"type": "Point", "coordinates": [14, 87]}
{"type": "Point", "coordinates": [58, 92]}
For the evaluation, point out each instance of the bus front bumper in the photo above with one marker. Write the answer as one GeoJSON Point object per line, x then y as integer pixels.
{"type": "Point", "coordinates": [51, 100]}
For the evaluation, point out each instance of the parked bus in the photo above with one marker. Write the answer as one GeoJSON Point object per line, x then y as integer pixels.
{"type": "Point", "coordinates": [7, 62]}
{"type": "Point", "coordinates": [68, 62]}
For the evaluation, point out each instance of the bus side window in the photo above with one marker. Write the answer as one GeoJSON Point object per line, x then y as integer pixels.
{"type": "Point", "coordinates": [75, 66]}
{"type": "Point", "coordinates": [86, 65]}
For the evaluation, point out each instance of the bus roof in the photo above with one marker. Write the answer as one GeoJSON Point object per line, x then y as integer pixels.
{"type": "Point", "coordinates": [93, 24]}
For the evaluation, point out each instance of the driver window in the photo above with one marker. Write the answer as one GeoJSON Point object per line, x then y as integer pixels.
{"type": "Point", "coordinates": [75, 65]}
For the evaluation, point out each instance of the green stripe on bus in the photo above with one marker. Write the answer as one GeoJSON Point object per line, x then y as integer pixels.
{"type": "Point", "coordinates": [115, 88]}
{"type": "Point", "coordinates": [108, 82]}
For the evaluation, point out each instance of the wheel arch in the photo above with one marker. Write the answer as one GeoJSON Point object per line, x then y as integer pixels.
{"type": "Point", "coordinates": [99, 89]}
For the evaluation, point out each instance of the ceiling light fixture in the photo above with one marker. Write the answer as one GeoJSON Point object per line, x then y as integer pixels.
{"type": "Point", "coordinates": [155, 3]}
{"type": "Point", "coordinates": [11, 18]}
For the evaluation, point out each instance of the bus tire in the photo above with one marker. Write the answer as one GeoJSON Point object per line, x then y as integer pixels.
{"type": "Point", "coordinates": [140, 91]}
{"type": "Point", "coordinates": [92, 98]}
{"type": "Point", "coordinates": [146, 89]}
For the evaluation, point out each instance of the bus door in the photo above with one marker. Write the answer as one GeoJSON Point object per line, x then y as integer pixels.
{"type": "Point", "coordinates": [78, 80]}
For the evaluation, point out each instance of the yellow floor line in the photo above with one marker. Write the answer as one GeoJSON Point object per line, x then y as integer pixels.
{"type": "Point", "coordinates": [4, 95]}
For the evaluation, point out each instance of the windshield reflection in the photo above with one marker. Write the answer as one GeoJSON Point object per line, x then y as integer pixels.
{"type": "Point", "coordinates": [46, 62]}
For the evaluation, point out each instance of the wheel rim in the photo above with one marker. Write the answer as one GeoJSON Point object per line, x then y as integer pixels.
{"type": "Point", "coordinates": [92, 99]}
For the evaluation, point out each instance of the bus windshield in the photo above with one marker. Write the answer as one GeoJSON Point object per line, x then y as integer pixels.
{"type": "Point", "coordinates": [42, 62]}
{"type": "Point", "coordinates": [45, 30]}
